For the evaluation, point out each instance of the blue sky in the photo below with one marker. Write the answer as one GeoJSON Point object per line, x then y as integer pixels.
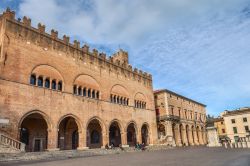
{"type": "Point", "coordinates": [198, 48]}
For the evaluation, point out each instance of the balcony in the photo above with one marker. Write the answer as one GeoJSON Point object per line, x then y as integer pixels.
{"type": "Point", "coordinates": [168, 118]}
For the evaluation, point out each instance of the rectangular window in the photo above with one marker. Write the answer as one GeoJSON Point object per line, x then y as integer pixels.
{"type": "Point", "coordinates": [223, 130]}
{"type": "Point", "coordinates": [233, 120]}
{"type": "Point", "coordinates": [221, 122]}
{"type": "Point", "coordinates": [172, 111]}
{"type": "Point", "coordinates": [235, 130]}
{"type": "Point", "coordinates": [247, 128]}
{"type": "Point", "coordinates": [244, 119]}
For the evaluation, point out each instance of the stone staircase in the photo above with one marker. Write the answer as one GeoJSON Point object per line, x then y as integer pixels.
{"type": "Point", "coordinates": [10, 145]}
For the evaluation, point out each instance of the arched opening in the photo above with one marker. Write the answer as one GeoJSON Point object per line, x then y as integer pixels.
{"type": "Point", "coordinates": [89, 93]}
{"type": "Point", "coordinates": [40, 81]}
{"type": "Point", "coordinates": [94, 134]}
{"type": "Point", "coordinates": [80, 91]}
{"type": "Point", "coordinates": [47, 83]}
{"type": "Point", "coordinates": [54, 84]}
{"type": "Point", "coordinates": [60, 86]}
{"type": "Point", "coordinates": [97, 94]}
{"type": "Point", "coordinates": [161, 131]}
{"type": "Point", "coordinates": [33, 79]}
{"type": "Point", "coordinates": [131, 135]}
{"type": "Point", "coordinates": [114, 134]}
{"type": "Point", "coordinates": [93, 94]}
{"type": "Point", "coordinates": [68, 137]}
{"type": "Point", "coordinates": [84, 92]}
{"type": "Point", "coordinates": [144, 134]}
{"type": "Point", "coordinates": [33, 132]}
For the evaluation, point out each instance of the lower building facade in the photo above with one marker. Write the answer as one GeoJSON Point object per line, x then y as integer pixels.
{"type": "Point", "coordinates": [180, 120]}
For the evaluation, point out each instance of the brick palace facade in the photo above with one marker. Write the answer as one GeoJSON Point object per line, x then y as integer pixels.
{"type": "Point", "coordinates": [58, 95]}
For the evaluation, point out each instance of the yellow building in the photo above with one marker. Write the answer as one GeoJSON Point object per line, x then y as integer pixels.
{"type": "Point", "coordinates": [237, 123]}
{"type": "Point", "coordinates": [221, 128]}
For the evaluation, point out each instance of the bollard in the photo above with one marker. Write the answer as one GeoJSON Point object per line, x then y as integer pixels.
{"type": "Point", "coordinates": [244, 144]}
{"type": "Point", "coordinates": [239, 145]}
{"type": "Point", "coordinates": [248, 144]}
{"type": "Point", "coordinates": [225, 145]}
{"type": "Point", "coordinates": [235, 145]}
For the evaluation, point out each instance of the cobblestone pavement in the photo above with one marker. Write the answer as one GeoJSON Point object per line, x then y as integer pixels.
{"type": "Point", "coordinates": [193, 156]}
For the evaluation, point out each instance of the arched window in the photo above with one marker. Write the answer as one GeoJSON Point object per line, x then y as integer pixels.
{"type": "Point", "coordinates": [97, 95]}
{"type": "Point", "coordinates": [127, 101]}
{"type": "Point", "coordinates": [33, 79]}
{"type": "Point", "coordinates": [114, 99]}
{"type": "Point", "coordinates": [89, 93]}
{"type": "Point", "coordinates": [75, 90]}
{"type": "Point", "coordinates": [54, 84]}
{"type": "Point", "coordinates": [95, 137]}
{"type": "Point", "coordinates": [59, 86]}
{"type": "Point", "coordinates": [47, 83]}
{"type": "Point", "coordinates": [118, 99]}
{"type": "Point", "coordinates": [84, 92]}
{"type": "Point", "coordinates": [111, 98]}
{"type": "Point", "coordinates": [124, 101]}
{"type": "Point", "coordinates": [93, 94]}
{"type": "Point", "coordinates": [40, 81]}
{"type": "Point", "coordinates": [80, 91]}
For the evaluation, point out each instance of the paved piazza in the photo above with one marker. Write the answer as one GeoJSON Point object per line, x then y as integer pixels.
{"type": "Point", "coordinates": [172, 157]}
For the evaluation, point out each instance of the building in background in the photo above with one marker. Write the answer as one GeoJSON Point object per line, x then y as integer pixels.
{"type": "Point", "coordinates": [181, 121]}
{"type": "Point", "coordinates": [219, 124]}
{"type": "Point", "coordinates": [237, 123]}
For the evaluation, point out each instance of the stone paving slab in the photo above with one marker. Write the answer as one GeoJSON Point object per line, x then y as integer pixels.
{"type": "Point", "coordinates": [188, 156]}
{"type": "Point", "coordinates": [65, 154]}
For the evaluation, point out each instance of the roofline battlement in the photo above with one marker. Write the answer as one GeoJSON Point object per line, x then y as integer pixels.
{"type": "Point", "coordinates": [52, 41]}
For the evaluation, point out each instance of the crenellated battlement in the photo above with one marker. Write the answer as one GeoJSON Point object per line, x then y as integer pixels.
{"type": "Point", "coordinates": [119, 62]}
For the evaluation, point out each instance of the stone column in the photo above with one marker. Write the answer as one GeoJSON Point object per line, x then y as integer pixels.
{"type": "Point", "coordinates": [190, 137]}
{"type": "Point", "coordinates": [82, 140]}
{"type": "Point", "coordinates": [169, 133]}
{"type": "Point", "coordinates": [52, 139]}
{"type": "Point", "coordinates": [177, 135]}
{"type": "Point", "coordinates": [105, 139]}
{"type": "Point", "coordinates": [124, 139]}
{"type": "Point", "coordinates": [138, 136]}
{"type": "Point", "coordinates": [196, 142]}
{"type": "Point", "coordinates": [200, 137]}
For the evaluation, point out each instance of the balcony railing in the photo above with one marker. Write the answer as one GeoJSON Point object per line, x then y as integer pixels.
{"type": "Point", "coordinates": [168, 117]}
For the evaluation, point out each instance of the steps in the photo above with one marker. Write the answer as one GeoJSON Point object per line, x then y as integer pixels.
{"type": "Point", "coordinates": [10, 145]}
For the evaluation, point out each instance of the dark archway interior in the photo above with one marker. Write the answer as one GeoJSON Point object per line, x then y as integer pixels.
{"type": "Point", "coordinates": [131, 135]}
{"type": "Point", "coordinates": [33, 132]}
{"type": "Point", "coordinates": [114, 134]}
{"type": "Point", "coordinates": [144, 135]}
{"type": "Point", "coordinates": [94, 134]}
{"type": "Point", "coordinates": [68, 137]}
